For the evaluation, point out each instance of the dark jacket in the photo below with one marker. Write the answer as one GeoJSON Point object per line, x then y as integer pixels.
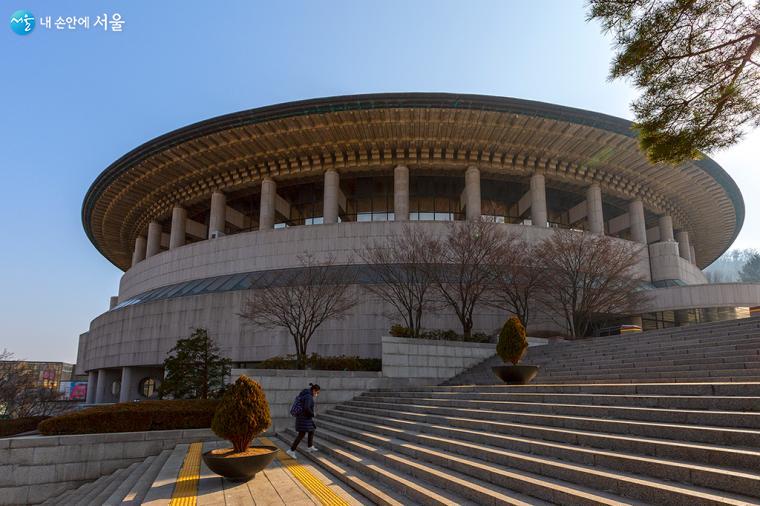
{"type": "Point", "coordinates": [305, 422]}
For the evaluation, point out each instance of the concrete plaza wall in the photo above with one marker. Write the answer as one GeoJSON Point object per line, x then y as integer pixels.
{"type": "Point", "coordinates": [430, 361]}
{"type": "Point", "coordinates": [36, 468]}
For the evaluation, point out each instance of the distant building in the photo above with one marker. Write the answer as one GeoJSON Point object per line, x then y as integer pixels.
{"type": "Point", "coordinates": [58, 376]}
{"type": "Point", "coordinates": [200, 215]}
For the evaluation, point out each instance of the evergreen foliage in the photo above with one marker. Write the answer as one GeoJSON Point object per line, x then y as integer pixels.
{"type": "Point", "coordinates": [242, 414]}
{"type": "Point", "coordinates": [194, 369]}
{"type": "Point", "coordinates": [512, 341]}
{"type": "Point", "coordinates": [697, 64]}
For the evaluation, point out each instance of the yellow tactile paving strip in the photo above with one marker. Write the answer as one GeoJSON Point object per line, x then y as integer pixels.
{"type": "Point", "coordinates": [186, 489]}
{"type": "Point", "coordinates": [321, 491]}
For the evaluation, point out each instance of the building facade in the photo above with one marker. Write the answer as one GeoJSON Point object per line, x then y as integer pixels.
{"type": "Point", "coordinates": [200, 215]}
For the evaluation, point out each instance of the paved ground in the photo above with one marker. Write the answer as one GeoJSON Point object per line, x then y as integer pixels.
{"type": "Point", "coordinates": [277, 485]}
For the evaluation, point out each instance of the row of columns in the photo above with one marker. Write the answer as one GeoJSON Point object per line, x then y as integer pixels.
{"type": "Point", "coordinates": [334, 199]}
{"type": "Point", "coordinates": [100, 382]}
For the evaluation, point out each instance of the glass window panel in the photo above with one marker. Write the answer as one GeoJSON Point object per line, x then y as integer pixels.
{"type": "Point", "coordinates": [234, 279]}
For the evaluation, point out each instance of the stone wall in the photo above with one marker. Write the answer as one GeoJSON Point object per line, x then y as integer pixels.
{"type": "Point", "coordinates": [35, 468]}
{"type": "Point", "coordinates": [430, 361]}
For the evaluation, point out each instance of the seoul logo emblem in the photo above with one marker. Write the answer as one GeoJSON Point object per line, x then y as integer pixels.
{"type": "Point", "coordinates": [22, 22]}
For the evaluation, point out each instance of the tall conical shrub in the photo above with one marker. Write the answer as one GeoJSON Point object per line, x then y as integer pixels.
{"type": "Point", "coordinates": [242, 414]}
{"type": "Point", "coordinates": [512, 342]}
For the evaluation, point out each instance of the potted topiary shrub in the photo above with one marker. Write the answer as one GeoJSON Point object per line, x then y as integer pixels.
{"type": "Point", "coordinates": [243, 414]}
{"type": "Point", "coordinates": [511, 347]}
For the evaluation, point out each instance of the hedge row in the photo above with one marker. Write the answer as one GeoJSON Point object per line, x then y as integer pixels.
{"type": "Point", "coordinates": [320, 363]}
{"type": "Point", "coordinates": [19, 425]}
{"type": "Point", "coordinates": [440, 335]}
{"type": "Point", "coordinates": [134, 417]}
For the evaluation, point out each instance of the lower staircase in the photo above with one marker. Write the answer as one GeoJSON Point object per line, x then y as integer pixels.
{"type": "Point", "coordinates": [681, 425]}
{"type": "Point", "coordinates": [128, 486]}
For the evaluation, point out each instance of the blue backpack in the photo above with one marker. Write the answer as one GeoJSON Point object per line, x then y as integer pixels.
{"type": "Point", "coordinates": [297, 408]}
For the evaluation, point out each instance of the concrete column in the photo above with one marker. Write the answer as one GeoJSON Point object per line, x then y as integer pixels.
{"type": "Point", "coordinates": [217, 219]}
{"type": "Point", "coordinates": [538, 215]}
{"type": "Point", "coordinates": [266, 211]}
{"type": "Point", "coordinates": [126, 394]}
{"type": "Point", "coordinates": [332, 188]}
{"type": "Point", "coordinates": [638, 224]}
{"type": "Point", "coordinates": [100, 390]}
{"type": "Point", "coordinates": [401, 193]}
{"type": "Point", "coordinates": [179, 226]}
{"type": "Point", "coordinates": [684, 248]}
{"type": "Point", "coordinates": [692, 254]}
{"type": "Point", "coordinates": [113, 302]}
{"type": "Point", "coordinates": [92, 384]}
{"type": "Point", "coordinates": [666, 228]}
{"type": "Point", "coordinates": [472, 193]}
{"type": "Point", "coordinates": [594, 213]}
{"type": "Point", "coordinates": [154, 239]}
{"type": "Point", "coordinates": [139, 253]}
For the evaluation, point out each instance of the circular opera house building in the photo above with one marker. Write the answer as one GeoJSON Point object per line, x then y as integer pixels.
{"type": "Point", "coordinates": [196, 216]}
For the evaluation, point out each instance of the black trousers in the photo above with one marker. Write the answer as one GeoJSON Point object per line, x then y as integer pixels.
{"type": "Point", "coordinates": [300, 436]}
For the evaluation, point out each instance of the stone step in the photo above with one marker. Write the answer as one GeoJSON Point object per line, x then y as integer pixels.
{"type": "Point", "coordinates": [71, 497]}
{"type": "Point", "coordinates": [160, 490]}
{"type": "Point", "coordinates": [114, 483]}
{"type": "Point", "coordinates": [101, 484]}
{"type": "Point", "coordinates": [749, 420]}
{"type": "Point", "coordinates": [549, 375]}
{"type": "Point", "coordinates": [603, 380]}
{"type": "Point", "coordinates": [744, 324]}
{"type": "Point", "coordinates": [574, 352]}
{"type": "Point", "coordinates": [710, 454]}
{"type": "Point", "coordinates": [613, 388]}
{"type": "Point", "coordinates": [679, 432]}
{"type": "Point", "coordinates": [503, 468]}
{"type": "Point", "coordinates": [140, 487]}
{"type": "Point", "coordinates": [644, 366]}
{"type": "Point", "coordinates": [712, 403]}
{"type": "Point", "coordinates": [578, 353]}
{"type": "Point", "coordinates": [489, 484]}
{"type": "Point", "coordinates": [442, 437]}
{"type": "Point", "coordinates": [120, 492]}
{"type": "Point", "coordinates": [410, 485]}
{"type": "Point", "coordinates": [634, 361]}
{"type": "Point", "coordinates": [611, 375]}
{"type": "Point", "coordinates": [656, 339]}
{"type": "Point", "coordinates": [366, 486]}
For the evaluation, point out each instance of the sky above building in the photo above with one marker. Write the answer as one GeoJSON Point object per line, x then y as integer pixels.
{"type": "Point", "coordinates": [76, 99]}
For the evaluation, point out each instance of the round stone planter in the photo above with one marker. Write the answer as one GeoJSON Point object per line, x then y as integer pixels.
{"type": "Point", "coordinates": [515, 374]}
{"type": "Point", "coordinates": [240, 468]}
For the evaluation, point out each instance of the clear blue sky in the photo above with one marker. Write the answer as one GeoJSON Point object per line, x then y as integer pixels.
{"type": "Point", "coordinates": [77, 100]}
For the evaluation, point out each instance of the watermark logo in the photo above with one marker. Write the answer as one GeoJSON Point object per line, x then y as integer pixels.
{"type": "Point", "coordinates": [22, 22]}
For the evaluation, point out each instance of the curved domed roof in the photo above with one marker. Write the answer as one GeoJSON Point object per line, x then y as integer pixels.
{"type": "Point", "coordinates": [421, 130]}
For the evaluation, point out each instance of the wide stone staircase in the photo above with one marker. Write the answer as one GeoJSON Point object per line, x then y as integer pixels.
{"type": "Point", "coordinates": [666, 417]}
{"type": "Point", "coordinates": [720, 351]}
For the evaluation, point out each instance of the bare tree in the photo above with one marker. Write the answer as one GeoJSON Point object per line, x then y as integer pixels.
{"type": "Point", "coordinates": [519, 276]}
{"type": "Point", "coordinates": [21, 394]}
{"type": "Point", "coordinates": [300, 300]}
{"type": "Point", "coordinates": [464, 267]}
{"type": "Point", "coordinates": [591, 276]}
{"type": "Point", "coordinates": [402, 277]}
